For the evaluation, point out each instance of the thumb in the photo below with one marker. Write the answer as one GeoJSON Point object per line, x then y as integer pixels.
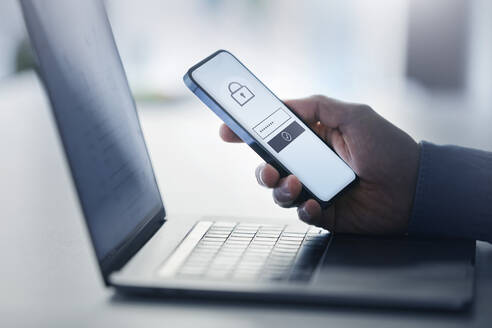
{"type": "Point", "coordinates": [329, 112]}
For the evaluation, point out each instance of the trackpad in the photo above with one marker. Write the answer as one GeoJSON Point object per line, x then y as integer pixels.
{"type": "Point", "coordinates": [400, 269]}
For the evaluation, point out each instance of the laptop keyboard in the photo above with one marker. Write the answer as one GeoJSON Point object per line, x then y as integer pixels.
{"type": "Point", "coordinates": [243, 251]}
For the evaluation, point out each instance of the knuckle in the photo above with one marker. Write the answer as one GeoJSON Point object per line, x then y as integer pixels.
{"type": "Point", "coordinates": [319, 98]}
{"type": "Point", "coordinates": [360, 110]}
{"type": "Point", "coordinates": [363, 108]}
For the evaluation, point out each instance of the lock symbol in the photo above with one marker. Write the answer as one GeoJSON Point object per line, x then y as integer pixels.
{"type": "Point", "coordinates": [240, 93]}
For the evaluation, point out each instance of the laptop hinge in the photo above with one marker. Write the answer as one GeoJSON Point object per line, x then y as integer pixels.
{"type": "Point", "coordinates": [116, 259]}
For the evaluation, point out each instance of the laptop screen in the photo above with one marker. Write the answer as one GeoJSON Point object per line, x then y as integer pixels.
{"type": "Point", "coordinates": [96, 117]}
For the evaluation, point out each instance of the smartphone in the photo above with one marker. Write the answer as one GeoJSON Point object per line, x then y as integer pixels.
{"type": "Point", "coordinates": [268, 126]}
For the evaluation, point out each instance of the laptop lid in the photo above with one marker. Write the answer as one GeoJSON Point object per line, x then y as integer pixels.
{"type": "Point", "coordinates": [98, 125]}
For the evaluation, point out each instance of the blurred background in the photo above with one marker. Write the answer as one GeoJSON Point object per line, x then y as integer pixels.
{"type": "Point", "coordinates": [424, 65]}
{"type": "Point", "coordinates": [430, 55]}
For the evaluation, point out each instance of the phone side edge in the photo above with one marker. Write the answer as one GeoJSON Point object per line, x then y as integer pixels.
{"type": "Point", "coordinates": [241, 133]}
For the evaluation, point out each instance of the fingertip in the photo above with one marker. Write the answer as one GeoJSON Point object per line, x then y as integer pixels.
{"type": "Point", "coordinates": [268, 176]}
{"type": "Point", "coordinates": [294, 186]}
{"type": "Point", "coordinates": [287, 191]}
{"type": "Point", "coordinates": [314, 208]}
{"type": "Point", "coordinates": [309, 211]}
{"type": "Point", "coordinates": [224, 133]}
{"type": "Point", "coordinates": [227, 134]}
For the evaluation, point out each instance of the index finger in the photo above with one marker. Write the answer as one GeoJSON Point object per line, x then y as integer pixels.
{"type": "Point", "coordinates": [330, 112]}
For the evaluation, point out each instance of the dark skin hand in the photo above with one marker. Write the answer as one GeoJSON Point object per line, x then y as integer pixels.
{"type": "Point", "coordinates": [384, 157]}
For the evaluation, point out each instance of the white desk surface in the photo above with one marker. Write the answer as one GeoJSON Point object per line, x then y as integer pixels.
{"type": "Point", "coordinates": [48, 272]}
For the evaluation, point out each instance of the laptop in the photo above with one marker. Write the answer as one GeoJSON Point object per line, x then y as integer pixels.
{"type": "Point", "coordinates": [140, 249]}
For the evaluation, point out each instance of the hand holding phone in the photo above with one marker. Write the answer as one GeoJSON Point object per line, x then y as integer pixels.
{"type": "Point", "coordinates": [265, 123]}
{"type": "Point", "coordinates": [385, 158]}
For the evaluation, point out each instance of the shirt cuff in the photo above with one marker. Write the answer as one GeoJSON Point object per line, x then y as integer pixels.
{"type": "Point", "coordinates": [453, 197]}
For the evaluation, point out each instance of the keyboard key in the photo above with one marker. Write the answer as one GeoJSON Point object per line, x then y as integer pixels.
{"type": "Point", "coordinates": [278, 251]}
{"type": "Point", "coordinates": [241, 237]}
{"type": "Point", "coordinates": [224, 224]}
{"type": "Point", "coordinates": [211, 242]}
{"type": "Point", "coordinates": [262, 251]}
{"type": "Point", "coordinates": [247, 226]}
{"type": "Point", "coordinates": [263, 242]}
{"type": "Point", "coordinates": [287, 240]}
{"type": "Point", "coordinates": [296, 228]}
{"type": "Point", "coordinates": [266, 237]}
{"type": "Point", "coordinates": [293, 234]}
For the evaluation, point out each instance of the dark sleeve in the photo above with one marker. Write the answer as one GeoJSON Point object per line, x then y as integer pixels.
{"type": "Point", "coordinates": [454, 193]}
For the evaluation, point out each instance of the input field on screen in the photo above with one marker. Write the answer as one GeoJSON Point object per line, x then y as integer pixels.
{"type": "Point", "coordinates": [271, 123]}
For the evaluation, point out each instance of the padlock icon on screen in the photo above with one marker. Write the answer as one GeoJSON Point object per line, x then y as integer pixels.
{"type": "Point", "coordinates": [240, 93]}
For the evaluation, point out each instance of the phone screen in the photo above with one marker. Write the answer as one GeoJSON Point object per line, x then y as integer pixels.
{"type": "Point", "coordinates": [273, 125]}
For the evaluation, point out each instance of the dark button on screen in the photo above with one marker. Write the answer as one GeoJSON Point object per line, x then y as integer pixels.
{"type": "Point", "coordinates": [286, 136]}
